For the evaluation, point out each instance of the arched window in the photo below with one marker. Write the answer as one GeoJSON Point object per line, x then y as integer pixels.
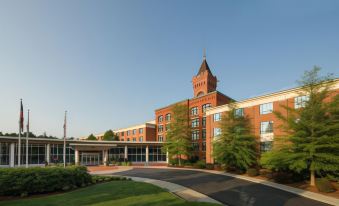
{"type": "Point", "coordinates": [200, 94]}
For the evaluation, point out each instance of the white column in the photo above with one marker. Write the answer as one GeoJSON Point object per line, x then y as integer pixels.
{"type": "Point", "coordinates": [76, 156]}
{"type": "Point", "coordinates": [126, 153]}
{"type": "Point", "coordinates": [12, 154]}
{"type": "Point", "coordinates": [167, 158]}
{"type": "Point", "coordinates": [48, 153]}
{"type": "Point", "coordinates": [104, 157]}
{"type": "Point", "coordinates": [147, 154]}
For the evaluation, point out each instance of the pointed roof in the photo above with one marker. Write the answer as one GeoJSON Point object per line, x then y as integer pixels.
{"type": "Point", "coordinates": [204, 67]}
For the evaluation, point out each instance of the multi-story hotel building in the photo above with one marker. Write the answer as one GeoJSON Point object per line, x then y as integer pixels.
{"type": "Point", "coordinates": [142, 143]}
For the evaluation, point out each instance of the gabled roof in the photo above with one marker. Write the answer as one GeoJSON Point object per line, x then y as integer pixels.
{"type": "Point", "coordinates": [204, 67]}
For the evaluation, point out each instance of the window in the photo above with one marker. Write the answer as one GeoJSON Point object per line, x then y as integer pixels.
{"type": "Point", "coordinates": [266, 146]}
{"type": "Point", "coordinates": [160, 138]}
{"type": "Point", "coordinates": [205, 106]}
{"type": "Point", "coordinates": [127, 139]}
{"type": "Point", "coordinates": [160, 118]}
{"type": "Point", "coordinates": [127, 133]}
{"type": "Point", "coordinates": [140, 139]}
{"type": "Point", "coordinates": [121, 133]}
{"type": "Point", "coordinates": [266, 127]}
{"type": "Point", "coordinates": [134, 139]}
{"type": "Point", "coordinates": [204, 146]}
{"type": "Point", "coordinates": [216, 132]}
{"type": "Point", "coordinates": [216, 117]}
{"type": "Point", "coordinates": [300, 101]}
{"type": "Point", "coordinates": [134, 131]}
{"type": "Point", "coordinates": [168, 117]}
{"type": "Point", "coordinates": [203, 135]}
{"type": "Point", "coordinates": [194, 111]}
{"type": "Point", "coordinates": [195, 134]}
{"type": "Point", "coordinates": [136, 154]}
{"type": "Point", "coordinates": [4, 153]}
{"type": "Point", "coordinates": [141, 130]}
{"type": "Point", "coordinates": [156, 154]}
{"type": "Point", "coordinates": [266, 108]}
{"type": "Point", "coordinates": [239, 112]}
{"type": "Point", "coordinates": [195, 146]}
{"type": "Point", "coordinates": [167, 127]}
{"type": "Point", "coordinates": [203, 122]}
{"type": "Point", "coordinates": [160, 128]}
{"type": "Point", "coordinates": [195, 123]}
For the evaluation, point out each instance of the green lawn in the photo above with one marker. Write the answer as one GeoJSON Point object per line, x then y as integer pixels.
{"type": "Point", "coordinates": [118, 193]}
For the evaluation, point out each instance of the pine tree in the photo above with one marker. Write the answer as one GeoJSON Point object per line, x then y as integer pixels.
{"type": "Point", "coordinates": [178, 142]}
{"type": "Point", "coordinates": [235, 146]}
{"type": "Point", "coordinates": [312, 143]}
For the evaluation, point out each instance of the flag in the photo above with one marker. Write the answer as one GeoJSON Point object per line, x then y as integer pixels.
{"type": "Point", "coordinates": [65, 125]}
{"type": "Point", "coordinates": [21, 118]}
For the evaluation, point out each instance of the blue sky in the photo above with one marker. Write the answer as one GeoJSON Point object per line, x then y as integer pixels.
{"type": "Point", "coordinates": [111, 63]}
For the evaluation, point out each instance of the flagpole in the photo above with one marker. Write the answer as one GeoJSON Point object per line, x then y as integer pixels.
{"type": "Point", "coordinates": [20, 128]}
{"type": "Point", "coordinates": [27, 139]}
{"type": "Point", "coordinates": [65, 139]}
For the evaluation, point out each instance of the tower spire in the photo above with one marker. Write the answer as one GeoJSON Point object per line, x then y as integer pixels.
{"type": "Point", "coordinates": [204, 54]}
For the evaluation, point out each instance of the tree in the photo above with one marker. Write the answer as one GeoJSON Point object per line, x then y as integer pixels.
{"type": "Point", "coordinates": [91, 137]}
{"type": "Point", "coordinates": [312, 140]}
{"type": "Point", "coordinates": [178, 138]}
{"type": "Point", "coordinates": [235, 146]}
{"type": "Point", "coordinates": [1, 134]}
{"type": "Point", "coordinates": [110, 136]}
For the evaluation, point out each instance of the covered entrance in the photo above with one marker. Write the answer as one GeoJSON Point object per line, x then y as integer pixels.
{"type": "Point", "coordinates": [90, 158]}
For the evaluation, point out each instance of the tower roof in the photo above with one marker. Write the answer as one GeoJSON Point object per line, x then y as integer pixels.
{"type": "Point", "coordinates": [204, 67]}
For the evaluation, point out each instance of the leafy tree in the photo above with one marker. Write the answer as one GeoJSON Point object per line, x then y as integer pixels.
{"type": "Point", "coordinates": [178, 138]}
{"type": "Point", "coordinates": [110, 136]}
{"type": "Point", "coordinates": [312, 142]}
{"type": "Point", "coordinates": [1, 134]}
{"type": "Point", "coordinates": [235, 146]}
{"type": "Point", "coordinates": [91, 137]}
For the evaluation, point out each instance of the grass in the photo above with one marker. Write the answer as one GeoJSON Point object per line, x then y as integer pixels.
{"type": "Point", "coordinates": [119, 193]}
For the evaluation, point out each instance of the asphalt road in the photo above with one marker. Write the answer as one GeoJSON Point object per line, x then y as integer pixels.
{"type": "Point", "coordinates": [228, 190]}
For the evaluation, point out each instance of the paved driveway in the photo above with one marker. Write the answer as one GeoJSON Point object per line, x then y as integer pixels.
{"type": "Point", "coordinates": [228, 190]}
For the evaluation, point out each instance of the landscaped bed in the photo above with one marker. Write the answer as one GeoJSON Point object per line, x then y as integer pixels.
{"type": "Point", "coordinates": [109, 193]}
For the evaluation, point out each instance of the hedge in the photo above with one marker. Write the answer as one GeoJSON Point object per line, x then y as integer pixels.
{"type": "Point", "coordinates": [24, 181]}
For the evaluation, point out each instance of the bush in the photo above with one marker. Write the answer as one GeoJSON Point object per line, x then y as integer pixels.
{"type": "Point", "coordinates": [126, 163]}
{"type": "Point", "coordinates": [283, 177]}
{"type": "Point", "coordinates": [200, 164]}
{"type": "Point", "coordinates": [22, 181]}
{"type": "Point", "coordinates": [324, 185]}
{"type": "Point", "coordinates": [266, 173]}
{"type": "Point", "coordinates": [252, 172]}
{"type": "Point", "coordinates": [209, 166]}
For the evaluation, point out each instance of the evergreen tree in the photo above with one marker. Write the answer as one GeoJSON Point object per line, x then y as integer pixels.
{"type": "Point", "coordinates": [91, 137]}
{"type": "Point", "coordinates": [235, 146]}
{"type": "Point", "coordinates": [110, 136]}
{"type": "Point", "coordinates": [178, 137]}
{"type": "Point", "coordinates": [312, 142]}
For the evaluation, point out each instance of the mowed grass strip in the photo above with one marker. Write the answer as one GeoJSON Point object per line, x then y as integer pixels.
{"type": "Point", "coordinates": [118, 193]}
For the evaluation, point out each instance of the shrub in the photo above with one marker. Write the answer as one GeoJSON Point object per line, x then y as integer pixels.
{"type": "Point", "coordinates": [324, 185]}
{"type": "Point", "coordinates": [252, 172]}
{"type": "Point", "coordinates": [21, 181]}
{"type": "Point", "coordinates": [126, 164]}
{"type": "Point", "coordinates": [209, 166]}
{"type": "Point", "coordinates": [266, 173]}
{"type": "Point", "coordinates": [200, 164]}
{"type": "Point", "coordinates": [282, 177]}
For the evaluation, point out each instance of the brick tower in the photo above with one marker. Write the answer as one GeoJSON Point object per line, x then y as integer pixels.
{"type": "Point", "coordinates": [204, 82]}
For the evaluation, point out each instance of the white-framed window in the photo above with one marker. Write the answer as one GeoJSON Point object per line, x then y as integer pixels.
{"type": "Point", "coordinates": [121, 133]}
{"type": "Point", "coordinates": [134, 139]}
{"type": "Point", "coordinates": [205, 106]}
{"type": "Point", "coordinates": [216, 131]}
{"type": "Point", "coordinates": [128, 132]}
{"type": "Point", "coordinates": [265, 146]}
{"type": "Point", "coordinates": [266, 127]}
{"type": "Point", "coordinates": [134, 131]}
{"type": "Point", "coordinates": [141, 130]}
{"type": "Point", "coordinates": [168, 117]}
{"type": "Point", "coordinates": [195, 134]}
{"type": "Point", "coordinates": [203, 122]}
{"type": "Point", "coordinates": [194, 111]}
{"type": "Point", "coordinates": [239, 112]}
{"type": "Point", "coordinates": [217, 117]}
{"type": "Point", "coordinates": [141, 139]}
{"type": "Point", "coordinates": [160, 118]}
{"type": "Point", "coordinates": [266, 108]}
{"type": "Point", "coordinates": [195, 122]}
{"type": "Point", "coordinates": [300, 101]}
{"type": "Point", "coordinates": [160, 138]}
{"type": "Point", "coordinates": [160, 128]}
